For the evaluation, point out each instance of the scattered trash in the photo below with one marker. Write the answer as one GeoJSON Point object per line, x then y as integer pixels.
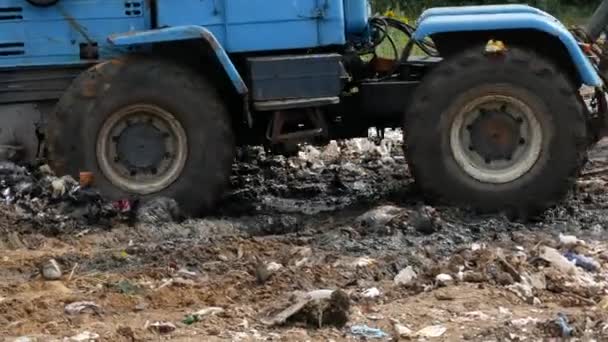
{"type": "Point", "coordinates": [406, 276]}
{"type": "Point", "coordinates": [559, 327]}
{"type": "Point", "coordinates": [367, 332]}
{"type": "Point", "coordinates": [582, 261]}
{"type": "Point", "coordinates": [51, 270]}
{"type": "Point", "coordinates": [161, 327]}
{"type": "Point", "coordinates": [432, 331]}
{"type": "Point", "coordinates": [197, 316]}
{"type": "Point", "coordinates": [317, 308]}
{"type": "Point", "coordinates": [85, 336]}
{"type": "Point", "coordinates": [78, 307]}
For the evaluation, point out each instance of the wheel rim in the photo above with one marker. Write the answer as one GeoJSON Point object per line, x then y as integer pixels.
{"type": "Point", "coordinates": [142, 149]}
{"type": "Point", "coordinates": [496, 139]}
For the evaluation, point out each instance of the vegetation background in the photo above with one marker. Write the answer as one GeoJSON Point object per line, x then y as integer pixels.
{"type": "Point", "coordinates": [570, 11]}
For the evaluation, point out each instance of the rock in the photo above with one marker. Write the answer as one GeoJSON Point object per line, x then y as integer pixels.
{"type": "Point", "coordinates": [78, 307]}
{"type": "Point", "coordinates": [424, 220]}
{"type": "Point", "coordinates": [431, 331]}
{"type": "Point", "coordinates": [379, 217]}
{"type": "Point", "coordinates": [263, 271]}
{"type": "Point", "coordinates": [159, 210]}
{"type": "Point", "coordinates": [406, 276]}
{"type": "Point", "coordinates": [504, 278]}
{"type": "Point", "coordinates": [473, 277]}
{"type": "Point", "coordinates": [401, 331]}
{"type": "Point", "coordinates": [85, 336]}
{"type": "Point", "coordinates": [444, 279]}
{"type": "Point", "coordinates": [51, 270]}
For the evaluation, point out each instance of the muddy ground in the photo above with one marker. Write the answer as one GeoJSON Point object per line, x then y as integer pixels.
{"type": "Point", "coordinates": [345, 217]}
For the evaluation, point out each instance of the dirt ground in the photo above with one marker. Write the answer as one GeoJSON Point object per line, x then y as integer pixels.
{"type": "Point", "coordinates": [345, 217]}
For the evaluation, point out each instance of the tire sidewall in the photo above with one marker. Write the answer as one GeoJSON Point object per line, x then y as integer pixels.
{"type": "Point", "coordinates": [443, 96]}
{"type": "Point", "coordinates": [192, 102]}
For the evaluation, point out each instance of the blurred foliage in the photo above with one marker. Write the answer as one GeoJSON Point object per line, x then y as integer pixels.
{"type": "Point", "coordinates": [572, 11]}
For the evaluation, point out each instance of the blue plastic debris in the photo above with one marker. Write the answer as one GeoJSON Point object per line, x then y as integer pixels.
{"type": "Point", "coordinates": [562, 322]}
{"type": "Point", "coordinates": [582, 261]}
{"type": "Point", "coordinates": [367, 332]}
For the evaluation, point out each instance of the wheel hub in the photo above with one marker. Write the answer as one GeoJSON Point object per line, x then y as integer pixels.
{"type": "Point", "coordinates": [142, 149]}
{"type": "Point", "coordinates": [495, 135]}
{"type": "Point", "coordinates": [496, 138]}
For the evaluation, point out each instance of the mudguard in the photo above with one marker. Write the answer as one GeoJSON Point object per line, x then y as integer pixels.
{"type": "Point", "coordinates": [181, 33]}
{"type": "Point", "coordinates": [505, 17]}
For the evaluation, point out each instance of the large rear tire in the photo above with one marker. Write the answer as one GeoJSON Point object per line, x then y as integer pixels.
{"type": "Point", "coordinates": [145, 128]}
{"type": "Point", "coordinates": [496, 133]}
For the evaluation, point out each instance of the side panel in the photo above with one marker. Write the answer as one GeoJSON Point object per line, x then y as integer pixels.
{"type": "Point", "coordinates": [39, 36]}
{"type": "Point", "coordinates": [511, 21]}
{"type": "Point", "coordinates": [260, 25]}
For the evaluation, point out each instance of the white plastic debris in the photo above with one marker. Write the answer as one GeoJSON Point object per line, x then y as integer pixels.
{"type": "Point", "coordinates": [273, 266]}
{"type": "Point", "coordinates": [557, 260]}
{"type": "Point", "coordinates": [161, 327]}
{"type": "Point", "coordinates": [210, 311]}
{"type": "Point", "coordinates": [570, 240]}
{"type": "Point", "coordinates": [85, 336]}
{"type": "Point", "coordinates": [363, 262]}
{"type": "Point", "coordinates": [371, 293]}
{"type": "Point", "coordinates": [406, 276]}
{"type": "Point", "coordinates": [520, 322]}
{"type": "Point", "coordinates": [401, 331]}
{"type": "Point", "coordinates": [78, 307]}
{"type": "Point", "coordinates": [444, 279]}
{"type": "Point", "coordinates": [432, 331]}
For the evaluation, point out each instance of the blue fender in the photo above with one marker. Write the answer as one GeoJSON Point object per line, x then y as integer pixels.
{"type": "Point", "coordinates": [492, 18]}
{"type": "Point", "coordinates": [181, 33]}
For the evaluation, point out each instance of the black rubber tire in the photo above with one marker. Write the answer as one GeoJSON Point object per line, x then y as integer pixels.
{"type": "Point", "coordinates": [73, 128]}
{"type": "Point", "coordinates": [561, 116]}
{"type": "Point", "coordinates": [43, 3]}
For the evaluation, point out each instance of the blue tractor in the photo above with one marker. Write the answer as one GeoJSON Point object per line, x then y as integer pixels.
{"type": "Point", "coordinates": [153, 96]}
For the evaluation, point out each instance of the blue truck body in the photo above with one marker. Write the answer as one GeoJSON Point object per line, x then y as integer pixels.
{"type": "Point", "coordinates": [33, 36]}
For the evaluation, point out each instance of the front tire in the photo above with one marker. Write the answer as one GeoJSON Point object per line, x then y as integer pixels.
{"type": "Point", "coordinates": [146, 128]}
{"type": "Point", "coordinates": [496, 133]}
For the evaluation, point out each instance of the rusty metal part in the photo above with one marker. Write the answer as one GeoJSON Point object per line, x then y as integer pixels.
{"type": "Point", "coordinates": [281, 118]}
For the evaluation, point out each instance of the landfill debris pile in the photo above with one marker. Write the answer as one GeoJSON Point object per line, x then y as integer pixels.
{"type": "Point", "coordinates": [330, 244]}
{"type": "Point", "coordinates": [37, 196]}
